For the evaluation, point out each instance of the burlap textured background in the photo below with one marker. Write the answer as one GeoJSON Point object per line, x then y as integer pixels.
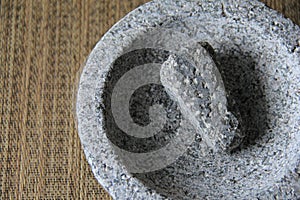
{"type": "Point", "coordinates": [42, 45]}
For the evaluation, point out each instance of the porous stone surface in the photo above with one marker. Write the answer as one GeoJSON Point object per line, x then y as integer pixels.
{"type": "Point", "coordinates": [200, 92]}
{"type": "Point", "coordinates": [256, 55]}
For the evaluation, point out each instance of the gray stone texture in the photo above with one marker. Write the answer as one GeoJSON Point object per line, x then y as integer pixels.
{"type": "Point", "coordinates": [200, 92]}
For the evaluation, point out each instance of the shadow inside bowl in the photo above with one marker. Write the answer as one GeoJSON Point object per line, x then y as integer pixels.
{"type": "Point", "coordinates": [178, 180]}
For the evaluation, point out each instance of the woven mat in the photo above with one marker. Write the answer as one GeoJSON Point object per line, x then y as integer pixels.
{"type": "Point", "coordinates": [42, 45]}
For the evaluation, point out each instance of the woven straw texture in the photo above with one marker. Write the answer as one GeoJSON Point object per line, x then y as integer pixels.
{"type": "Point", "coordinates": [42, 46]}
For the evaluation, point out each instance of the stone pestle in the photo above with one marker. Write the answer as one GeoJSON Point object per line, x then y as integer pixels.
{"type": "Point", "coordinates": [198, 88]}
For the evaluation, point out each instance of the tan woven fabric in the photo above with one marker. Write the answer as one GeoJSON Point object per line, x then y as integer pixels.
{"type": "Point", "coordinates": [42, 45]}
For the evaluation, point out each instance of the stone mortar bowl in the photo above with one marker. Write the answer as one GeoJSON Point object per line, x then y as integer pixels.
{"type": "Point", "coordinates": [256, 51]}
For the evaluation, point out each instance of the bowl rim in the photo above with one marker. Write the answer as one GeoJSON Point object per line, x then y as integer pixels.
{"type": "Point", "coordinates": [102, 159]}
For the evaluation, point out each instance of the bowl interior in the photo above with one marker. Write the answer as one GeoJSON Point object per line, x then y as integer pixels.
{"type": "Point", "coordinates": [198, 172]}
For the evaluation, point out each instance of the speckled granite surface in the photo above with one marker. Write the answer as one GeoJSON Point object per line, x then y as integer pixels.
{"type": "Point", "coordinates": [257, 54]}
{"type": "Point", "coordinates": [199, 90]}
